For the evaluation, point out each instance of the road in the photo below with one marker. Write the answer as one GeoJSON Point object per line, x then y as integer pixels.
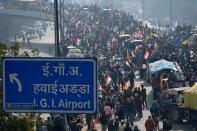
{"type": "Point", "coordinates": [46, 47]}
{"type": "Point", "coordinates": [140, 122]}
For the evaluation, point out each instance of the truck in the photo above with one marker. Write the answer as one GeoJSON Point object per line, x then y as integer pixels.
{"type": "Point", "coordinates": [181, 103]}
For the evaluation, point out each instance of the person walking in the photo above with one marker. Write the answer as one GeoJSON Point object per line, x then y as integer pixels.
{"type": "Point", "coordinates": [127, 128]}
{"type": "Point", "coordinates": [59, 124]}
{"type": "Point", "coordinates": [131, 109]}
{"type": "Point", "coordinates": [40, 36]}
{"type": "Point", "coordinates": [120, 112]}
{"type": "Point", "coordinates": [155, 109]}
{"type": "Point", "coordinates": [136, 128]}
{"type": "Point", "coordinates": [103, 121]}
{"type": "Point", "coordinates": [149, 124]}
{"type": "Point", "coordinates": [132, 79]}
{"type": "Point", "coordinates": [88, 121]}
{"type": "Point", "coordinates": [50, 124]}
{"type": "Point", "coordinates": [167, 125]}
{"type": "Point", "coordinates": [126, 104]}
{"type": "Point", "coordinates": [139, 92]}
{"type": "Point", "coordinates": [111, 126]}
{"type": "Point", "coordinates": [108, 111]}
{"type": "Point", "coordinates": [156, 120]}
{"type": "Point", "coordinates": [143, 92]}
{"type": "Point", "coordinates": [94, 125]}
{"type": "Point", "coordinates": [122, 126]}
{"type": "Point", "coordinates": [139, 106]}
{"type": "Point", "coordinates": [116, 123]}
{"type": "Point", "coordinates": [78, 124]}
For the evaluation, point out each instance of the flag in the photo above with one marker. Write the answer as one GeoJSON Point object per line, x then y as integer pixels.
{"type": "Point", "coordinates": [128, 55]}
{"type": "Point", "coordinates": [178, 42]}
{"type": "Point", "coordinates": [111, 82]}
{"type": "Point", "coordinates": [137, 35]}
{"type": "Point", "coordinates": [152, 52]}
{"type": "Point", "coordinates": [146, 55]}
{"type": "Point", "coordinates": [117, 82]}
{"type": "Point", "coordinates": [78, 41]}
{"type": "Point", "coordinates": [127, 63]}
{"type": "Point", "coordinates": [184, 42]}
{"type": "Point", "coordinates": [101, 89]}
{"type": "Point", "coordinates": [126, 85]}
{"type": "Point", "coordinates": [151, 34]}
{"type": "Point", "coordinates": [77, 24]}
{"type": "Point", "coordinates": [155, 47]}
{"type": "Point", "coordinates": [108, 81]}
{"type": "Point", "coordinates": [132, 53]}
{"type": "Point", "coordinates": [136, 48]}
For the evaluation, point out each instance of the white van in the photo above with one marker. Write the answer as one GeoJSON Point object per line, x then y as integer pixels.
{"type": "Point", "coordinates": [74, 52]}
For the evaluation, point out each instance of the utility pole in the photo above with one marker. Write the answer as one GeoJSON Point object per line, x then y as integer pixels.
{"type": "Point", "coordinates": [143, 9]}
{"type": "Point", "coordinates": [57, 17]}
{"type": "Point", "coordinates": [61, 18]}
{"type": "Point", "coordinates": [171, 14]}
{"type": "Point", "coordinates": [56, 23]}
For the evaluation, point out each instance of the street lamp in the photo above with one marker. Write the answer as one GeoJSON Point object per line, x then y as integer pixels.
{"type": "Point", "coordinates": [143, 9]}
{"type": "Point", "coordinates": [171, 14]}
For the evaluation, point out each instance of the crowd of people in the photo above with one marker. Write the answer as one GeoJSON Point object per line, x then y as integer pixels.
{"type": "Point", "coordinates": [102, 33]}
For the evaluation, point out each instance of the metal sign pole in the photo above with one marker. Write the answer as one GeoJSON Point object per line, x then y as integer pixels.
{"type": "Point", "coordinates": [56, 17]}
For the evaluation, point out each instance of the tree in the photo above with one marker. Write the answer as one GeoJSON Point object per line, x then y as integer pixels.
{"type": "Point", "coordinates": [15, 49]}
{"type": "Point", "coordinates": [8, 121]}
{"type": "Point", "coordinates": [3, 49]}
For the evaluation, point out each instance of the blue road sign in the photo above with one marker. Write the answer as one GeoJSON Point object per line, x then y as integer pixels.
{"type": "Point", "coordinates": [50, 85]}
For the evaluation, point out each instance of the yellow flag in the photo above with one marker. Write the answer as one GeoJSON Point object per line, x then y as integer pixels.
{"type": "Point", "coordinates": [184, 42]}
{"type": "Point", "coordinates": [117, 82]}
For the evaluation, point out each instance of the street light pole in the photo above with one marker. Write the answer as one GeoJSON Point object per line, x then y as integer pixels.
{"type": "Point", "coordinates": [143, 9]}
{"type": "Point", "coordinates": [56, 23]}
{"type": "Point", "coordinates": [171, 14]}
{"type": "Point", "coordinates": [62, 19]}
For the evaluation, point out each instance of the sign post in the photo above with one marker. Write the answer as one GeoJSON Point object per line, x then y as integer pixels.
{"type": "Point", "coordinates": [50, 85]}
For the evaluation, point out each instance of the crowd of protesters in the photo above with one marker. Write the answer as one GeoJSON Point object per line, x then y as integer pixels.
{"type": "Point", "coordinates": [97, 32]}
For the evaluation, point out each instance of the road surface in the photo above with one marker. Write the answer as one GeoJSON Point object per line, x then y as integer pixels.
{"type": "Point", "coordinates": [140, 122]}
{"type": "Point", "coordinates": [46, 47]}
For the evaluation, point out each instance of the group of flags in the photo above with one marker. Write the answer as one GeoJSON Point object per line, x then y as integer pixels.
{"type": "Point", "coordinates": [179, 42]}
{"type": "Point", "coordinates": [184, 40]}
{"type": "Point", "coordinates": [110, 83]}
